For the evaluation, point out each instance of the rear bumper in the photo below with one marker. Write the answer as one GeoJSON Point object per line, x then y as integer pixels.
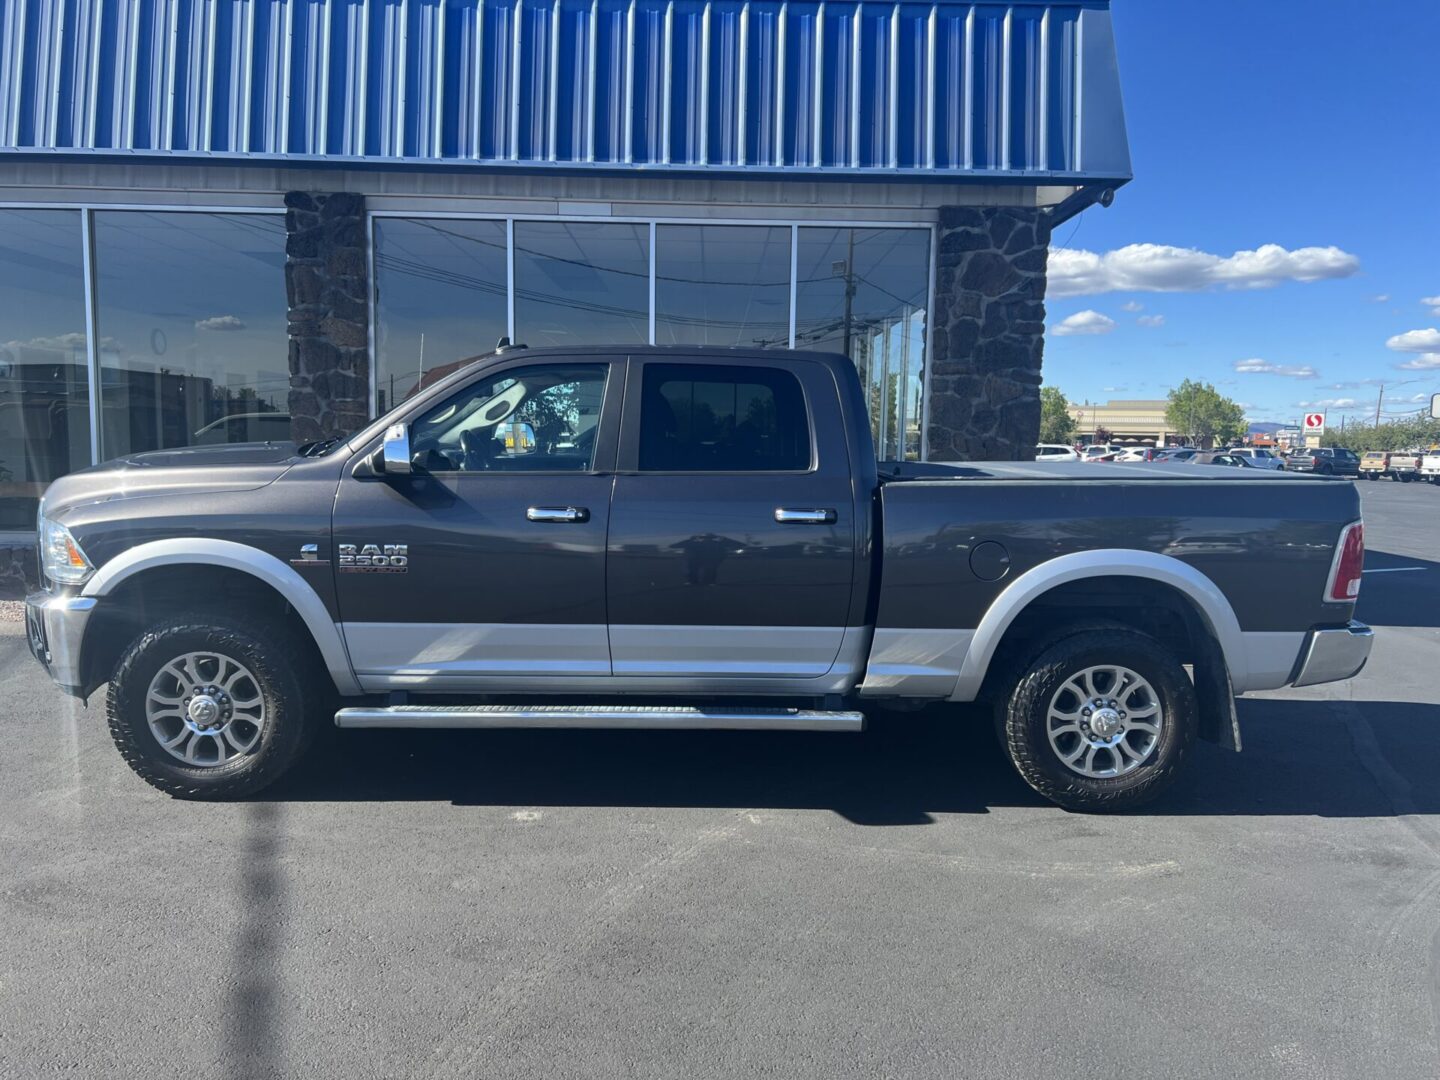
{"type": "Point", "coordinates": [55, 626]}
{"type": "Point", "coordinates": [1333, 654]}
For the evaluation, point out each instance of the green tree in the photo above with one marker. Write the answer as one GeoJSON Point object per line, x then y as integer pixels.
{"type": "Point", "coordinates": [1204, 414]}
{"type": "Point", "coordinates": [1405, 433]}
{"type": "Point", "coordinates": [1056, 423]}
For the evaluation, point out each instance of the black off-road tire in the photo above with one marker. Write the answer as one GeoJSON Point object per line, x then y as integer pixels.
{"type": "Point", "coordinates": [281, 670]}
{"type": "Point", "coordinates": [1025, 721]}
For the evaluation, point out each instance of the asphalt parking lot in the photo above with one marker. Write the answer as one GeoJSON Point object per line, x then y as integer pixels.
{"type": "Point", "coordinates": [630, 905]}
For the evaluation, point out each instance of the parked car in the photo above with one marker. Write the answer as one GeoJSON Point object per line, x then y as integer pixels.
{"type": "Point", "coordinates": [741, 565]}
{"type": "Point", "coordinates": [1258, 456]}
{"type": "Point", "coordinates": [1224, 457]}
{"type": "Point", "coordinates": [1327, 461]}
{"type": "Point", "coordinates": [1056, 452]}
{"type": "Point", "coordinates": [1100, 449]}
{"type": "Point", "coordinates": [1405, 465]}
{"type": "Point", "coordinates": [1430, 466]}
{"type": "Point", "coordinates": [1140, 453]}
{"type": "Point", "coordinates": [1374, 464]}
{"type": "Point", "coordinates": [1175, 454]}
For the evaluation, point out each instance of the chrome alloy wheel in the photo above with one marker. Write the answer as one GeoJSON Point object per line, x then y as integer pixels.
{"type": "Point", "coordinates": [1104, 721]}
{"type": "Point", "coordinates": [205, 708]}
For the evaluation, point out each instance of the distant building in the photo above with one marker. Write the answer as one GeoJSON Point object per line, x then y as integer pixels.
{"type": "Point", "coordinates": [1126, 421]}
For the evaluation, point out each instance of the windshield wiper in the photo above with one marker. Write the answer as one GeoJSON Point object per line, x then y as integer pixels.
{"type": "Point", "coordinates": [319, 446]}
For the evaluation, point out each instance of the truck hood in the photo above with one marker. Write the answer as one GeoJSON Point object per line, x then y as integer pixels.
{"type": "Point", "coordinates": [191, 469]}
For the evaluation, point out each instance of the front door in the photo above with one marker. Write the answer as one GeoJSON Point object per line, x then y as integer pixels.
{"type": "Point", "coordinates": [732, 536]}
{"type": "Point", "coordinates": [500, 532]}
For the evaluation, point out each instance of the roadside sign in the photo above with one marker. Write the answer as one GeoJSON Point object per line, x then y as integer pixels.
{"type": "Point", "coordinates": [1435, 406]}
{"type": "Point", "coordinates": [1314, 421]}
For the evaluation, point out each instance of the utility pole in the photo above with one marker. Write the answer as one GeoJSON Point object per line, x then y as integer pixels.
{"type": "Point", "coordinates": [1379, 398]}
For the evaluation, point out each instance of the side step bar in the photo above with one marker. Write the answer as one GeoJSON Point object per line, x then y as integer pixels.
{"type": "Point", "coordinates": [599, 716]}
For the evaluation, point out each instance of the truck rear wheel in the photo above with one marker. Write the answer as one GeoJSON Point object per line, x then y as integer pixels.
{"type": "Point", "coordinates": [1101, 721]}
{"type": "Point", "coordinates": [209, 707]}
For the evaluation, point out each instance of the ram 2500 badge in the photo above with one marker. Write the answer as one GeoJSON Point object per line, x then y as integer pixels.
{"type": "Point", "coordinates": [680, 538]}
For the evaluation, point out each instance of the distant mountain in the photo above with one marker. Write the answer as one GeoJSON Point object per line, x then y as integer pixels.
{"type": "Point", "coordinates": [1267, 428]}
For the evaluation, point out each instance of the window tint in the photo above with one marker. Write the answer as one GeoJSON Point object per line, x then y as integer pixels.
{"type": "Point", "coordinates": [540, 419]}
{"type": "Point", "coordinates": [700, 418]}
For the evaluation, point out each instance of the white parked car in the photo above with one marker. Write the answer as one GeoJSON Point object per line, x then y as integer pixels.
{"type": "Point", "coordinates": [1258, 456]}
{"type": "Point", "coordinates": [1095, 450]}
{"type": "Point", "coordinates": [1055, 452]}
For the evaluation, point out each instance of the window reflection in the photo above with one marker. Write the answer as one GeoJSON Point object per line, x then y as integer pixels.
{"type": "Point", "coordinates": [440, 299]}
{"type": "Point", "coordinates": [722, 285]}
{"type": "Point", "coordinates": [44, 385]}
{"type": "Point", "coordinates": [582, 283]}
{"type": "Point", "coordinates": [190, 313]}
{"type": "Point", "coordinates": [863, 292]}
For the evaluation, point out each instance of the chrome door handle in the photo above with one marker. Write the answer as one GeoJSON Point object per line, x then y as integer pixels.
{"type": "Point", "coordinates": [789, 516]}
{"type": "Point", "coordinates": [559, 515]}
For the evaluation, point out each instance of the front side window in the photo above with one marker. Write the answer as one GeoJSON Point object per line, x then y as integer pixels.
{"type": "Point", "coordinates": [703, 418]}
{"type": "Point", "coordinates": [540, 419]}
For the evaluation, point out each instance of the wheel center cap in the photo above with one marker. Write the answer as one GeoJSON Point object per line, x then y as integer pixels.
{"type": "Point", "coordinates": [1105, 723]}
{"type": "Point", "coordinates": [203, 710]}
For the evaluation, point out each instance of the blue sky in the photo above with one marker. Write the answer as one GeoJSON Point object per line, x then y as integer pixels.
{"type": "Point", "coordinates": [1313, 126]}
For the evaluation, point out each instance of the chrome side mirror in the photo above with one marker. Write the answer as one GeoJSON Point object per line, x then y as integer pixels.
{"type": "Point", "coordinates": [395, 451]}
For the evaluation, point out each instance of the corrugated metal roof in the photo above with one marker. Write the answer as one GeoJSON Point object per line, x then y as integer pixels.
{"type": "Point", "coordinates": [1028, 91]}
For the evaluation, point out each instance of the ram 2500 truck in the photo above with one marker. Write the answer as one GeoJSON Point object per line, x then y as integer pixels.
{"type": "Point", "coordinates": [680, 538]}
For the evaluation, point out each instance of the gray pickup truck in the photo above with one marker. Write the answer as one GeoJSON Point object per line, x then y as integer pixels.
{"type": "Point", "coordinates": [680, 538]}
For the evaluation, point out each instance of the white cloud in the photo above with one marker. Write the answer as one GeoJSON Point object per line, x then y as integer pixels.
{"type": "Point", "coordinates": [1382, 298]}
{"type": "Point", "coordinates": [1256, 366]}
{"type": "Point", "coordinates": [71, 341]}
{"type": "Point", "coordinates": [1415, 341]}
{"type": "Point", "coordinates": [220, 322]}
{"type": "Point", "coordinates": [1115, 389]}
{"type": "Point", "coordinates": [1133, 306]}
{"type": "Point", "coordinates": [1329, 403]}
{"type": "Point", "coordinates": [1151, 320]}
{"type": "Point", "coordinates": [1084, 322]}
{"type": "Point", "coordinates": [1163, 268]}
{"type": "Point", "coordinates": [1424, 362]}
{"type": "Point", "coordinates": [1432, 302]}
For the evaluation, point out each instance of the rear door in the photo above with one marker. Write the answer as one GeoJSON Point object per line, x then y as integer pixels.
{"type": "Point", "coordinates": [732, 528]}
{"type": "Point", "coordinates": [500, 535]}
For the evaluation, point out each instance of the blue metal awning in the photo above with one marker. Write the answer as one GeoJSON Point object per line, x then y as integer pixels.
{"type": "Point", "coordinates": [1024, 91]}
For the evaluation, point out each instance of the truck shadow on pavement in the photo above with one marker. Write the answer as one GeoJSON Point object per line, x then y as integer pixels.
{"type": "Point", "coordinates": [1301, 758]}
{"type": "Point", "coordinates": [1399, 590]}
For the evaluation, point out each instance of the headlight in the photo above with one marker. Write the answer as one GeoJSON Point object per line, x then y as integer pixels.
{"type": "Point", "coordinates": [61, 557]}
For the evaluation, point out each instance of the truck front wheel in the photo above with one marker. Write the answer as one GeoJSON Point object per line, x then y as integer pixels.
{"type": "Point", "coordinates": [210, 707]}
{"type": "Point", "coordinates": [1101, 721]}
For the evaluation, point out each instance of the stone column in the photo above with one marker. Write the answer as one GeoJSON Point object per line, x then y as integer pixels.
{"type": "Point", "coordinates": [328, 291]}
{"type": "Point", "coordinates": [988, 334]}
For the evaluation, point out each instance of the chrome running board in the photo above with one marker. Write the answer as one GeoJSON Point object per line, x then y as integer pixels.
{"type": "Point", "coordinates": [599, 716]}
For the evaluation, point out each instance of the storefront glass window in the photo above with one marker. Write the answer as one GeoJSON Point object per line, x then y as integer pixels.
{"type": "Point", "coordinates": [863, 292]}
{"type": "Point", "coordinates": [722, 285]}
{"type": "Point", "coordinates": [440, 299]}
{"type": "Point", "coordinates": [190, 315]}
{"type": "Point", "coordinates": [44, 386]}
{"type": "Point", "coordinates": [582, 283]}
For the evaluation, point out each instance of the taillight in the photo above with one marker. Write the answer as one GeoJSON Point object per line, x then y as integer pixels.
{"type": "Point", "coordinates": [1349, 565]}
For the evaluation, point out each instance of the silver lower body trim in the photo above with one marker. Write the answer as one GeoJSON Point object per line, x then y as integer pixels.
{"type": "Point", "coordinates": [599, 716]}
{"type": "Point", "coordinates": [915, 663]}
{"type": "Point", "coordinates": [1269, 659]}
{"type": "Point", "coordinates": [1332, 655]}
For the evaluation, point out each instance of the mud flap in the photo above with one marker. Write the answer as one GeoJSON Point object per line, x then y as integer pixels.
{"type": "Point", "coordinates": [1219, 721]}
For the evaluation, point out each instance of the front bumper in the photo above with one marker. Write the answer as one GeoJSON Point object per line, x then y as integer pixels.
{"type": "Point", "coordinates": [55, 626]}
{"type": "Point", "coordinates": [1334, 654]}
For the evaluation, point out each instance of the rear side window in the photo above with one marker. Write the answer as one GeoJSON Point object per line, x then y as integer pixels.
{"type": "Point", "coordinates": [704, 418]}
